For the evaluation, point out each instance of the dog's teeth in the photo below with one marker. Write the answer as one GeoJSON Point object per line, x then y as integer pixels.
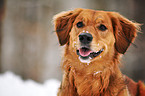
{"type": "Point", "coordinates": [90, 58]}
{"type": "Point", "coordinates": [97, 51]}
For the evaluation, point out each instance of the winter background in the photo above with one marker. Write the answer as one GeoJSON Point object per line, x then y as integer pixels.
{"type": "Point", "coordinates": [30, 55]}
{"type": "Point", "coordinates": [13, 85]}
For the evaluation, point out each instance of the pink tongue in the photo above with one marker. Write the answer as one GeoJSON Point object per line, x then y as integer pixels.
{"type": "Point", "coordinates": [84, 52]}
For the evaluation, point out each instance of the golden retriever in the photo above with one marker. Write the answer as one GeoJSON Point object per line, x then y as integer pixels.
{"type": "Point", "coordinates": [94, 42]}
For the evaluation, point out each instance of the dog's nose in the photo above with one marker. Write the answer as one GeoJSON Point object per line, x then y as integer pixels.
{"type": "Point", "coordinates": [85, 38]}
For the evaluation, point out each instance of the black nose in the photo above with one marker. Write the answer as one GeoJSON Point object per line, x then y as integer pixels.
{"type": "Point", "coordinates": [85, 38]}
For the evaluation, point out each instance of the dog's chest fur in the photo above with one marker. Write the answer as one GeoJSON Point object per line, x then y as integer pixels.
{"type": "Point", "coordinates": [87, 80]}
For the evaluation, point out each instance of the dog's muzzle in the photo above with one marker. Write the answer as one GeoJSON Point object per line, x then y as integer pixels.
{"type": "Point", "coordinates": [85, 51]}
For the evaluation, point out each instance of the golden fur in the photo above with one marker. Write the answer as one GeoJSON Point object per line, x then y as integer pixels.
{"type": "Point", "coordinates": [101, 75]}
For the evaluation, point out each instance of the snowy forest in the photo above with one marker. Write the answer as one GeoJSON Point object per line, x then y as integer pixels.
{"type": "Point", "coordinates": [29, 46]}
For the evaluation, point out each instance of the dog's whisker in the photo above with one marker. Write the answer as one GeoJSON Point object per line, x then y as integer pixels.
{"type": "Point", "coordinates": [53, 31]}
{"type": "Point", "coordinates": [134, 45]}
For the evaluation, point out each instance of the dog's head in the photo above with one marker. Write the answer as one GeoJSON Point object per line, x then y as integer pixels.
{"type": "Point", "coordinates": [92, 34]}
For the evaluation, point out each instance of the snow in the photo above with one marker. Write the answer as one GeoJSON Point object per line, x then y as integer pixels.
{"type": "Point", "coordinates": [95, 73]}
{"type": "Point", "coordinates": [13, 85]}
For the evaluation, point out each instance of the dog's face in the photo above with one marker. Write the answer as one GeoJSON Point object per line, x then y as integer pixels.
{"type": "Point", "coordinates": [93, 35]}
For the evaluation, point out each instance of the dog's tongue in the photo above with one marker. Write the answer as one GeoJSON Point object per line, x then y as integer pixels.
{"type": "Point", "coordinates": [84, 52]}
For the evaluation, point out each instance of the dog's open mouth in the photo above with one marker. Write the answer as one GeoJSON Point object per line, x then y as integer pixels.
{"type": "Point", "coordinates": [86, 53]}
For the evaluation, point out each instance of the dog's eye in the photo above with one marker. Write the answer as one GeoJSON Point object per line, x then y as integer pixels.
{"type": "Point", "coordinates": [102, 27]}
{"type": "Point", "coordinates": [80, 24]}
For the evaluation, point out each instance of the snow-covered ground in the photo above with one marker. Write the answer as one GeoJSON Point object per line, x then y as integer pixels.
{"type": "Point", "coordinates": [13, 85]}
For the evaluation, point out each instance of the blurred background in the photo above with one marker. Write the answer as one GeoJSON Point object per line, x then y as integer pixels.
{"type": "Point", "coordinates": [29, 46]}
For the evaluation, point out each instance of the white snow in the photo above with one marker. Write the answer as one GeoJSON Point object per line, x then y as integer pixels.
{"type": "Point", "coordinates": [13, 85]}
{"type": "Point", "coordinates": [95, 73]}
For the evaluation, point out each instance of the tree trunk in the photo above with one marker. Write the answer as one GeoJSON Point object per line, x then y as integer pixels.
{"type": "Point", "coordinates": [2, 9]}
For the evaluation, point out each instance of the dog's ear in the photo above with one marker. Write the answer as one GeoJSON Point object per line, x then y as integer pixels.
{"type": "Point", "coordinates": [63, 23]}
{"type": "Point", "coordinates": [125, 31]}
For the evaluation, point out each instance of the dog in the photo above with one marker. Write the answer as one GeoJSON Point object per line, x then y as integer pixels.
{"type": "Point", "coordinates": [94, 43]}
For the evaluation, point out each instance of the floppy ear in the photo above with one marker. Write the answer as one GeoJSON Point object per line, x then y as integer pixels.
{"type": "Point", "coordinates": [63, 23]}
{"type": "Point", "coordinates": [125, 31]}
